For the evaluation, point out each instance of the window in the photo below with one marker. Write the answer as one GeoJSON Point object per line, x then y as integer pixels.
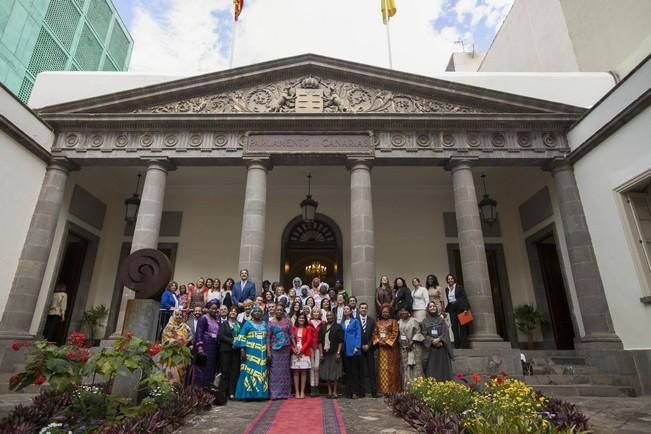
{"type": "Point", "coordinates": [638, 209]}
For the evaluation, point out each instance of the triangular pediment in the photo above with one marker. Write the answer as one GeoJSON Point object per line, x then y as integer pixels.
{"type": "Point", "coordinates": [309, 84]}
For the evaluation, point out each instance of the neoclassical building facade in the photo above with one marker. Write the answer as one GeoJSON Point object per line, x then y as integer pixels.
{"type": "Point", "coordinates": [397, 163]}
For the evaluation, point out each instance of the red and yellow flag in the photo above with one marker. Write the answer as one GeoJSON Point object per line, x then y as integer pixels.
{"type": "Point", "coordinates": [388, 10]}
{"type": "Point", "coordinates": [239, 5]}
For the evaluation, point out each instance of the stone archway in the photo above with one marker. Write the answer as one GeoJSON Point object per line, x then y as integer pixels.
{"type": "Point", "coordinates": [303, 243]}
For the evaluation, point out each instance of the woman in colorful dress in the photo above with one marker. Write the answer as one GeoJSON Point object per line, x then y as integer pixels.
{"type": "Point", "coordinates": [411, 347]}
{"type": "Point", "coordinates": [315, 324]}
{"type": "Point", "coordinates": [330, 343]}
{"type": "Point", "coordinates": [196, 295]}
{"type": "Point", "coordinates": [176, 330]}
{"type": "Point", "coordinates": [205, 347]}
{"type": "Point", "coordinates": [184, 301]}
{"type": "Point", "coordinates": [229, 357]}
{"type": "Point", "coordinates": [279, 347]}
{"type": "Point", "coordinates": [385, 336]}
{"type": "Point", "coordinates": [301, 352]}
{"type": "Point", "coordinates": [252, 342]}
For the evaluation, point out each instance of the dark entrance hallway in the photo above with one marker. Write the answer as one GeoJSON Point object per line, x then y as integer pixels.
{"type": "Point", "coordinates": [311, 244]}
{"type": "Point", "coordinates": [557, 304]}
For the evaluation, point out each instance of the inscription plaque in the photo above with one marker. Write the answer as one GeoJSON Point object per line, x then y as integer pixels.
{"type": "Point", "coordinates": [309, 143]}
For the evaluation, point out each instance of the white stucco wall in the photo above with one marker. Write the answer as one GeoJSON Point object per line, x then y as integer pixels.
{"type": "Point", "coordinates": [20, 184]}
{"type": "Point", "coordinates": [534, 37]}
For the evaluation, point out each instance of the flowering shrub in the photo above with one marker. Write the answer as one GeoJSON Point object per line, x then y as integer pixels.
{"type": "Point", "coordinates": [61, 366]}
{"type": "Point", "coordinates": [499, 404]}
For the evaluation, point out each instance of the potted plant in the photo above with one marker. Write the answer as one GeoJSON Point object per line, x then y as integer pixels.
{"type": "Point", "coordinates": [91, 320]}
{"type": "Point", "coordinates": [527, 318]}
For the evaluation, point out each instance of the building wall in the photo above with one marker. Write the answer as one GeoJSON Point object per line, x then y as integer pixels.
{"type": "Point", "coordinates": [20, 184]}
{"type": "Point", "coordinates": [533, 38]}
{"type": "Point", "coordinates": [609, 35]}
{"type": "Point", "coordinates": [57, 35]}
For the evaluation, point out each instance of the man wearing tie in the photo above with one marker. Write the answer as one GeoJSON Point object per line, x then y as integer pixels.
{"type": "Point", "coordinates": [368, 352]}
{"type": "Point", "coordinates": [243, 289]}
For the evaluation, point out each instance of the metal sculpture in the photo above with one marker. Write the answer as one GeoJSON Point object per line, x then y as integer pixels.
{"type": "Point", "coordinates": [146, 271]}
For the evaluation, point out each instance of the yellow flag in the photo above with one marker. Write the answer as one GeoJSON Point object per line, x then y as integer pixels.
{"type": "Point", "coordinates": [388, 10]}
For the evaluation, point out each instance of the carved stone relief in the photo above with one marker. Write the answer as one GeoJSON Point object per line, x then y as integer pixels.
{"type": "Point", "coordinates": [329, 96]}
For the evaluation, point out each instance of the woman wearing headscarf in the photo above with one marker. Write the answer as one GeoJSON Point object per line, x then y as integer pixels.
{"type": "Point", "coordinates": [330, 343]}
{"type": "Point", "coordinates": [179, 331]}
{"type": "Point", "coordinates": [279, 345]}
{"type": "Point", "coordinates": [205, 347]}
{"type": "Point", "coordinates": [252, 342]}
{"type": "Point", "coordinates": [437, 349]}
{"type": "Point", "coordinates": [411, 347]}
{"type": "Point", "coordinates": [385, 336]}
{"type": "Point", "coordinates": [229, 356]}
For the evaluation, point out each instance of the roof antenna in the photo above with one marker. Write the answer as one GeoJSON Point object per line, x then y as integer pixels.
{"type": "Point", "coordinates": [460, 41]}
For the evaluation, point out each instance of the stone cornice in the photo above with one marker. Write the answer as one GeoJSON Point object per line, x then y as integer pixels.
{"type": "Point", "coordinates": [30, 144]}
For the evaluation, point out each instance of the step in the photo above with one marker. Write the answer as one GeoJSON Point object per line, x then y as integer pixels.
{"type": "Point", "coordinates": [599, 379]}
{"type": "Point", "coordinates": [565, 370]}
{"type": "Point", "coordinates": [585, 390]}
{"type": "Point", "coordinates": [559, 361]}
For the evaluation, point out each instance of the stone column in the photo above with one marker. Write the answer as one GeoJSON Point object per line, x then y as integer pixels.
{"type": "Point", "coordinates": [473, 254]}
{"type": "Point", "coordinates": [21, 304]}
{"type": "Point", "coordinates": [599, 330]}
{"type": "Point", "coordinates": [254, 220]}
{"type": "Point", "coordinates": [362, 234]}
{"type": "Point", "coordinates": [145, 234]}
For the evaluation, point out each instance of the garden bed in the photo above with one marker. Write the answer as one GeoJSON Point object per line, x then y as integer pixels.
{"type": "Point", "coordinates": [496, 405]}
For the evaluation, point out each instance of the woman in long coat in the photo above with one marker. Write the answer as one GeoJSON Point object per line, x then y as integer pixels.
{"type": "Point", "coordinates": [205, 347]}
{"type": "Point", "coordinates": [411, 347]}
{"type": "Point", "coordinates": [330, 344]}
{"type": "Point", "coordinates": [385, 335]}
{"type": "Point", "coordinates": [229, 356]}
{"type": "Point", "coordinates": [437, 350]}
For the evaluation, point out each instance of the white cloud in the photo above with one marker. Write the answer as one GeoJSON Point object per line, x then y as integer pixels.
{"type": "Point", "coordinates": [187, 38]}
{"type": "Point", "coordinates": [492, 11]}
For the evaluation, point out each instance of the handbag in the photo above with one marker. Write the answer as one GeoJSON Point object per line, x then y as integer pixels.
{"type": "Point", "coordinates": [465, 317]}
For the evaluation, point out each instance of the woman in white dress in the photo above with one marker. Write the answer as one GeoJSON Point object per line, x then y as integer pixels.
{"type": "Point", "coordinates": [421, 299]}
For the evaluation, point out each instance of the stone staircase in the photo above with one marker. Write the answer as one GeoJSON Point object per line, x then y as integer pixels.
{"type": "Point", "coordinates": [573, 373]}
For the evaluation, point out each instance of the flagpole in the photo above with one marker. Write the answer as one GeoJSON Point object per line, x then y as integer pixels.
{"type": "Point", "coordinates": [233, 32]}
{"type": "Point", "coordinates": [386, 8]}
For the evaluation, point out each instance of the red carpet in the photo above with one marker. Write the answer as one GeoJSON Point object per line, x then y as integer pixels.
{"type": "Point", "coordinates": [320, 416]}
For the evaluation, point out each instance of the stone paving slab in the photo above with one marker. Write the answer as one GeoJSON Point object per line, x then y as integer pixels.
{"type": "Point", "coordinates": [616, 415]}
{"type": "Point", "coordinates": [10, 400]}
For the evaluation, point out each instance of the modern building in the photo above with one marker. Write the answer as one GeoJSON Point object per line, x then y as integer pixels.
{"type": "Point", "coordinates": [59, 35]}
{"type": "Point", "coordinates": [396, 161]}
{"type": "Point", "coordinates": [571, 35]}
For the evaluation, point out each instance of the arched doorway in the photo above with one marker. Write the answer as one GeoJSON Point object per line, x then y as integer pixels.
{"type": "Point", "coordinates": [305, 243]}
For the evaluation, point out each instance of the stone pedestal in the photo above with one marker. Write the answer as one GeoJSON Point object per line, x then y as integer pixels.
{"type": "Point", "coordinates": [254, 220]}
{"type": "Point", "coordinates": [362, 235]}
{"type": "Point", "coordinates": [473, 257]}
{"type": "Point", "coordinates": [599, 330]}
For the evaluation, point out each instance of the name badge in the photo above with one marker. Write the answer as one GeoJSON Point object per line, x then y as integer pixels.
{"type": "Point", "coordinates": [259, 335]}
{"type": "Point", "coordinates": [213, 335]}
{"type": "Point", "coordinates": [403, 337]}
{"type": "Point", "coordinates": [435, 332]}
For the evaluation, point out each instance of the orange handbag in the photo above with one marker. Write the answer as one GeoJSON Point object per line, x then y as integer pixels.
{"type": "Point", "coordinates": [464, 317]}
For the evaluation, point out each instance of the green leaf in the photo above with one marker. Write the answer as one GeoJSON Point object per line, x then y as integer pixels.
{"type": "Point", "coordinates": [58, 366]}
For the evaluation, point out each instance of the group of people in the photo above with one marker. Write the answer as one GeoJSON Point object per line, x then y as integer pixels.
{"type": "Point", "coordinates": [266, 346]}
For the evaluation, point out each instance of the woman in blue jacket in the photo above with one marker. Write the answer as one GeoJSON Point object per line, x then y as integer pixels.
{"type": "Point", "coordinates": [352, 350]}
{"type": "Point", "coordinates": [168, 302]}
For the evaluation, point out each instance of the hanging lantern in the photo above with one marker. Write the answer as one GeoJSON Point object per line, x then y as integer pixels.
{"type": "Point", "coordinates": [487, 206]}
{"type": "Point", "coordinates": [132, 204]}
{"type": "Point", "coordinates": [309, 205]}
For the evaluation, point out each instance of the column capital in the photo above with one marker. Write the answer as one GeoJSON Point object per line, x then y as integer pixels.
{"type": "Point", "coordinates": [63, 164]}
{"type": "Point", "coordinates": [258, 163]}
{"type": "Point", "coordinates": [162, 163]}
{"type": "Point", "coordinates": [359, 162]}
{"type": "Point", "coordinates": [464, 162]}
{"type": "Point", "coordinates": [558, 165]}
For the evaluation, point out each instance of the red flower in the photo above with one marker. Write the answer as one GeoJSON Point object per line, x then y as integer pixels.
{"type": "Point", "coordinates": [16, 346]}
{"type": "Point", "coordinates": [458, 376]}
{"type": "Point", "coordinates": [15, 379]}
{"type": "Point", "coordinates": [77, 339]}
{"type": "Point", "coordinates": [154, 349]}
{"type": "Point", "coordinates": [40, 379]}
{"type": "Point", "coordinates": [70, 355]}
{"type": "Point", "coordinates": [129, 335]}
{"type": "Point", "coordinates": [504, 374]}
{"type": "Point", "coordinates": [83, 356]}
{"type": "Point", "coordinates": [476, 378]}
{"type": "Point", "coordinates": [500, 380]}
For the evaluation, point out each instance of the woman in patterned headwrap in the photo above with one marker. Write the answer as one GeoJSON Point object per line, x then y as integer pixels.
{"type": "Point", "coordinates": [252, 342]}
{"type": "Point", "coordinates": [176, 330]}
{"type": "Point", "coordinates": [279, 348]}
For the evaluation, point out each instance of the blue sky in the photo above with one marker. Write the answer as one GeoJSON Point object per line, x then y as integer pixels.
{"type": "Point", "coordinates": [193, 36]}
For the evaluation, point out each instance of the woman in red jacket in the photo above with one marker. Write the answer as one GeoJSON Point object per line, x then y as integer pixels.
{"type": "Point", "coordinates": [301, 351]}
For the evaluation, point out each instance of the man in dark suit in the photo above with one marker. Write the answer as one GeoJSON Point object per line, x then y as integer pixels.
{"type": "Point", "coordinates": [194, 319]}
{"type": "Point", "coordinates": [352, 302]}
{"type": "Point", "coordinates": [368, 352]}
{"type": "Point", "coordinates": [243, 289]}
{"type": "Point", "coordinates": [457, 303]}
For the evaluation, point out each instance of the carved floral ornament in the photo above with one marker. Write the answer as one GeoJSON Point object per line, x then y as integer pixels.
{"type": "Point", "coordinates": [334, 96]}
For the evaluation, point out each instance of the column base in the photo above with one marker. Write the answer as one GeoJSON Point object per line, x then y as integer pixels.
{"type": "Point", "coordinates": [600, 341]}
{"type": "Point", "coordinates": [487, 340]}
{"type": "Point", "coordinates": [16, 335]}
